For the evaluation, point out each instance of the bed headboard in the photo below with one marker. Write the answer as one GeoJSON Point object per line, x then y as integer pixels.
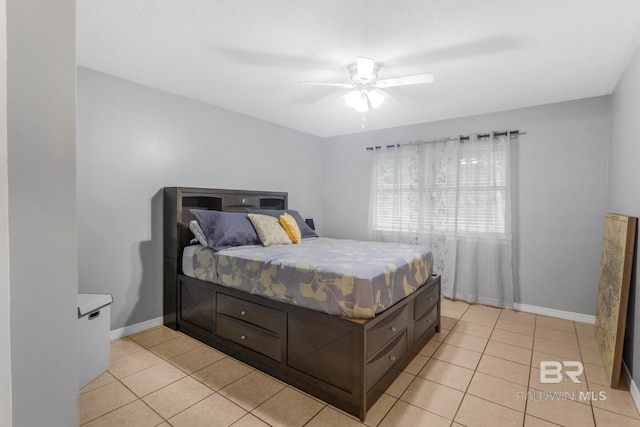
{"type": "Point", "coordinates": [176, 233]}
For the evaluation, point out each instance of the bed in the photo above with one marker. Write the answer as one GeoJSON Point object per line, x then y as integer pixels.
{"type": "Point", "coordinates": [342, 335]}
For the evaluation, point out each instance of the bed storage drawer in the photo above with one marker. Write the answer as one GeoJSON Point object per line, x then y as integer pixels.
{"type": "Point", "coordinates": [249, 336]}
{"type": "Point", "coordinates": [384, 331]}
{"type": "Point", "coordinates": [380, 364]}
{"type": "Point", "coordinates": [426, 301]}
{"type": "Point", "coordinates": [425, 322]}
{"type": "Point", "coordinates": [264, 317]}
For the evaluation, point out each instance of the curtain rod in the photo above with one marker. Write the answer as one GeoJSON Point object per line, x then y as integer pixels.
{"type": "Point", "coordinates": [461, 138]}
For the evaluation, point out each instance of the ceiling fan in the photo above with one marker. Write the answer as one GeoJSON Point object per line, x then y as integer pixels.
{"type": "Point", "coordinates": [366, 90]}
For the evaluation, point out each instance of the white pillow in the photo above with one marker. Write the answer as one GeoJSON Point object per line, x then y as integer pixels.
{"type": "Point", "coordinates": [197, 231]}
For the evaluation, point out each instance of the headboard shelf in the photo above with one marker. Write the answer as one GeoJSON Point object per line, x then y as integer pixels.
{"type": "Point", "coordinates": [178, 201]}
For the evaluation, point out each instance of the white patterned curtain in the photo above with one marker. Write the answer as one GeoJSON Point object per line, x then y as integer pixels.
{"type": "Point", "coordinates": [459, 197]}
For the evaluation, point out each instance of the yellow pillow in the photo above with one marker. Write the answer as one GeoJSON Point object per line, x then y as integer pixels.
{"type": "Point", "coordinates": [290, 225]}
{"type": "Point", "coordinates": [269, 230]}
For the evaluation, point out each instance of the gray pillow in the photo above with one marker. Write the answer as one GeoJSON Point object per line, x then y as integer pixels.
{"type": "Point", "coordinates": [226, 229]}
{"type": "Point", "coordinates": [305, 230]}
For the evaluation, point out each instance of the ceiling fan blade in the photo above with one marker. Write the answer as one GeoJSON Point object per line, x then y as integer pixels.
{"type": "Point", "coordinates": [342, 85]}
{"type": "Point", "coordinates": [405, 81]}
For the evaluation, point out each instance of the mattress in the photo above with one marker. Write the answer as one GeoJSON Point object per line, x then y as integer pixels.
{"type": "Point", "coordinates": [340, 277]}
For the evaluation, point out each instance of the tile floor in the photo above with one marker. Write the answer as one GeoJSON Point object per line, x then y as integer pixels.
{"type": "Point", "coordinates": [482, 369]}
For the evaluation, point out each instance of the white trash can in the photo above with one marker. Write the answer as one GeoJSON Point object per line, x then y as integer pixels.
{"type": "Point", "coordinates": [94, 329]}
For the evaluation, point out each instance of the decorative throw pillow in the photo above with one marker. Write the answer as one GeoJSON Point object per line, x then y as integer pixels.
{"type": "Point", "coordinates": [225, 229]}
{"type": "Point", "coordinates": [197, 232]}
{"type": "Point", "coordinates": [305, 230]}
{"type": "Point", "coordinates": [291, 227]}
{"type": "Point", "coordinates": [269, 230]}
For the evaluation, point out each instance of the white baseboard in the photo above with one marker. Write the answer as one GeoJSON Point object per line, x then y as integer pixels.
{"type": "Point", "coordinates": [633, 387]}
{"type": "Point", "coordinates": [134, 329]}
{"type": "Point", "coordinates": [568, 315]}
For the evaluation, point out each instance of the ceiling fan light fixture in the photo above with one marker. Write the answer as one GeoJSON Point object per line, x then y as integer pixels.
{"type": "Point", "coordinates": [365, 67]}
{"type": "Point", "coordinates": [363, 103]}
{"type": "Point", "coordinates": [352, 98]}
{"type": "Point", "coordinates": [376, 98]}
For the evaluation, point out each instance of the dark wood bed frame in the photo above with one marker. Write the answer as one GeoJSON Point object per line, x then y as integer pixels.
{"type": "Point", "coordinates": [346, 362]}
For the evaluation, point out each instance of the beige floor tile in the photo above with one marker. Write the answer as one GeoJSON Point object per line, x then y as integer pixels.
{"type": "Point", "coordinates": [593, 357]}
{"type": "Point", "coordinates": [123, 347]}
{"type": "Point", "coordinates": [133, 363]}
{"type": "Point", "coordinates": [222, 373]}
{"type": "Point", "coordinates": [430, 348]}
{"type": "Point", "coordinates": [508, 352]}
{"type": "Point", "coordinates": [100, 381]}
{"type": "Point", "coordinates": [457, 304]}
{"type": "Point", "coordinates": [250, 420]}
{"type": "Point", "coordinates": [155, 336]}
{"type": "Point", "coordinates": [98, 402]}
{"type": "Point", "coordinates": [153, 378]}
{"type": "Point", "coordinates": [400, 384]}
{"type": "Point", "coordinates": [518, 316]}
{"type": "Point", "coordinates": [512, 338]}
{"type": "Point", "coordinates": [174, 347]}
{"type": "Point", "coordinates": [444, 373]}
{"type": "Point", "coordinates": [470, 342]}
{"type": "Point", "coordinates": [560, 411]}
{"type": "Point", "coordinates": [440, 336]}
{"type": "Point", "coordinates": [416, 364]}
{"type": "Point", "coordinates": [379, 410]}
{"type": "Point", "coordinates": [251, 390]}
{"type": "Point", "coordinates": [196, 359]}
{"type": "Point", "coordinates": [498, 391]}
{"type": "Point", "coordinates": [557, 336]}
{"type": "Point", "coordinates": [448, 322]}
{"type": "Point", "coordinates": [476, 412]}
{"type": "Point", "coordinates": [215, 410]}
{"type": "Point", "coordinates": [610, 419]}
{"type": "Point", "coordinates": [555, 323]}
{"type": "Point", "coordinates": [133, 414]}
{"type": "Point", "coordinates": [484, 310]}
{"type": "Point", "coordinates": [596, 374]}
{"type": "Point", "coordinates": [565, 385]}
{"type": "Point", "coordinates": [451, 313]}
{"type": "Point", "coordinates": [517, 327]}
{"type": "Point", "coordinates": [613, 400]}
{"type": "Point", "coordinates": [177, 397]}
{"type": "Point", "coordinates": [567, 351]}
{"type": "Point", "coordinates": [539, 356]}
{"type": "Point", "coordinates": [458, 356]}
{"type": "Point", "coordinates": [585, 329]}
{"type": "Point", "coordinates": [504, 369]}
{"type": "Point", "coordinates": [405, 415]}
{"type": "Point", "coordinates": [331, 417]}
{"type": "Point", "coordinates": [530, 421]}
{"type": "Point", "coordinates": [488, 319]}
{"type": "Point", "coordinates": [288, 408]}
{"type": "Point", "coordinates": [588, 342]}
{"type": "Point", "coordinates": [433, 397]}
{"type": "Point", "coordinates": [473, 329]}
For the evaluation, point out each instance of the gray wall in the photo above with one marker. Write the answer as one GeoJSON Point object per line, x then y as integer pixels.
{"type": "Point", "coordinates": [132, 141]}
{"type": "Point", "coordinates": [41, 84]}
{"type": "Point", "coordinates": [563, 184]}
{"type": "Point", "coordinates": [624, 176]}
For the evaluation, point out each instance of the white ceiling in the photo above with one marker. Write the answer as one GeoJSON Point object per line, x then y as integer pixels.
{"type": "Point", "coordinates": [249, 55]}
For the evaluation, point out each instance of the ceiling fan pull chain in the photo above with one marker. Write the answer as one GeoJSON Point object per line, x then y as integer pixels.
{"type": "Point", "coordinates": [364, 119]}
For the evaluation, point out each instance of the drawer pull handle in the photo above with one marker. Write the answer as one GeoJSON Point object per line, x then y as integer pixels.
{"type": "Point", "coordinates": [431, 299]}
{"type": "Point", "coordinates": [243, 312]}
{"type": "Point", "coordinates": [243, 337]}
{"type": "Point", "coordinates": [392, 358]}
{"type": "Point", "coordinates": [393, 329]}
